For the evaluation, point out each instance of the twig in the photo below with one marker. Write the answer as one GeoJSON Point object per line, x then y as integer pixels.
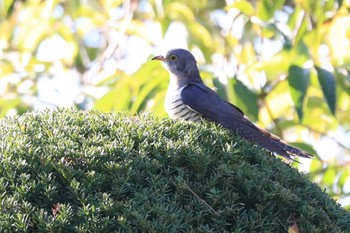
{"type": "Point", "coordinates": [326, 135]}
{"type": "Point", "coordinates": [201, 200]}
{"type": "Point", "coordinates": [269, 111]}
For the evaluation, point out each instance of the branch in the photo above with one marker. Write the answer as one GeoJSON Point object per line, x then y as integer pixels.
{"type": "Point", "coordinates": [326, 135]}
{"type": "Point", "coordinates": [201, 200]}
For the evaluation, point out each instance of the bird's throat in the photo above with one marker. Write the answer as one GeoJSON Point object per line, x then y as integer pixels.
{"type": "Point", "coordinates": [177, 82]}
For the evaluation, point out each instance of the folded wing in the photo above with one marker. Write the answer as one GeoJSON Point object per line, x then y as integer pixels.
{"type": "Point", "coordinates": [206, 102]}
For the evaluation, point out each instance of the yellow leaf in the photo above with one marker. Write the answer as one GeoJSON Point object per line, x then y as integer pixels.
{"type": "Point", "coordinates": [293, 229]}
{"type": "Point", "coordinates": [201, 35]}
{"type": "Point", "coordinates": [337, 38]}
{"type": "Point", "coordinates": [243, 6]}
{"type": "Point", "coordinates": [179, 11]}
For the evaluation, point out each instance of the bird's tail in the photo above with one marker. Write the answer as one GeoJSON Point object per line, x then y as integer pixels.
{"type": "Point", "coordinates": [277, 145]}
{"type": "Point", "coordinates": [264, 138]}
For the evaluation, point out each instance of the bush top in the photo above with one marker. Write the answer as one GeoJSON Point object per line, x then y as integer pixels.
{"type": "Point", "coordinates": [76, 171]}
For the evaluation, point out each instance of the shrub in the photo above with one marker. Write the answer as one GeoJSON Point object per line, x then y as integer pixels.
{"type": "Point", "coordinates": [76, 171]}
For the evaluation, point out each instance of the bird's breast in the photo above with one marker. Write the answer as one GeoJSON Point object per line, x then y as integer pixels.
{"type": "Point", "coordinates": [175, 107]}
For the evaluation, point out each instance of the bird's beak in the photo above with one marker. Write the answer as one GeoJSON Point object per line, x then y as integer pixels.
{"type": "Point", "coordinates": [160, 58]}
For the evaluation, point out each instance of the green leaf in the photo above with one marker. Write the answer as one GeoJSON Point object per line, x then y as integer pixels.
{"type": "Point", "coordinates": [244, 6]}
{"type": "Point", "coordinates": [113, 101]}
{"type": "Point", "coordinates": [328, 85]}
{"type": "Point", "coordinates": [344, 175]}
{"type": "Point", "coordinates": [329, 176]}
{"type": "Point", "coordinates": [201, 37]}
{"type": "Point", "coordinates": [7, 104]}
{"type": "Point", "coordinates": [300, 28]}
{"type": "Point", "coordinates": [220, 88]}
{"type": "Point", "coordinates": [244, 98]}
{"type": "Point", "coordinates": [304, 146]}
{"type": "Point", "coordinates": [319, 117]}
{"type": "Point", "coordinates": [343, 80]}
{"type": "Point", "coordinates": [316, 166]}
{"type": "Point", "coordinates": [178, 11]}
{"type": "Point", "coordinates": [6, 8]}
{"type": "Point", "coordinates": [266, 8]}
{"type": "Point", "coordinates": [299, 80]}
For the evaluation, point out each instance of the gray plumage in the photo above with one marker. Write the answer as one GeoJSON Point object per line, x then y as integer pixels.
{"type": "Point", "coordinates": [189, 99]}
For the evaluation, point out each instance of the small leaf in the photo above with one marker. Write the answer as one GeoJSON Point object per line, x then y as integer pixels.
{"type": "Point", "coordinates": [299, 80]}
{"type": "Point", "coordinates": [328, 85]}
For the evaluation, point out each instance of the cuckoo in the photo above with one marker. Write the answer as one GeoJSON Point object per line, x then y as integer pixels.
{"type": "Point", "coordinates": [189, 99]}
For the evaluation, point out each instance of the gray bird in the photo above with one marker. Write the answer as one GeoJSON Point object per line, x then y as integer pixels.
{"type": "Point", "coordinates": [189, 99]}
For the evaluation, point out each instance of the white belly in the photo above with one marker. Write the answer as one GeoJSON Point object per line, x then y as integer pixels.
{"type": "Point", "coordinates": [176, 109]}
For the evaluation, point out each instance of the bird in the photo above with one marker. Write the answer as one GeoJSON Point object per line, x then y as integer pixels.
{"type": "Point", "coordinates": [189, 99]}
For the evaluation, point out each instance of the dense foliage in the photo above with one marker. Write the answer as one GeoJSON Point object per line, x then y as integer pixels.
{"type": "Point", "coordinates": [285, 63]}
{"type": "Point", "coordinates": [76, 171]}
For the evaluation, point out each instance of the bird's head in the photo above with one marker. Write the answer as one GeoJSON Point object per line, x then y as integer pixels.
{"type": "Point", "coordinates": [182, 64]}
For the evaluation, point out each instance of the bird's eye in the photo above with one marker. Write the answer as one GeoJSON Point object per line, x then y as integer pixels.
{"type": "Point", "coordinates": [173, 57]}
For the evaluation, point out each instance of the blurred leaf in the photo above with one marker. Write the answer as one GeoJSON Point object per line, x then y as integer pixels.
{"type": "Point", "coordinates": [329, 176]}
{"type": "Point", "coordinates": [319, 117]}
{"type": "Point", "coordinates": [247, 54]}
{"type": "Point", "coordinates": [133, 93]}
{"type": "Point", "coordinates": [137, 28]}
{"type": "Point", "coordinates": [337, 36]}
{"type": "Point", "coordinates": [300, 54]}
{"type": "Point", "coordinates": [305, 147]}
{"type": "Point", "coordinates": [343, 79]}
{"type": "Point", "coordinates": [158, 107]}
{"type": "Point", "coordinates": [313, 40]}
{"type": "Point", "coordinates": [220, 88]}
{"type": "Point", "coordinates": [285, 124]}
{"type": "Point", "coordinates": [344, 176]}
{"type": "Point", "coordinates": [244, 6]}
{"type": "Point", "coordinates": [117, 99]}
{"type": "Point", "coordinates": [281, 60]}
{"type": "Point", "coordinates": [148, 90]}
{"type": "Point", "coordinates": [278, 102]}
{"type": "Point", "coordinates": [327, 82]}
{"type": "Point", "coordinates": [31, 36]}
{"type": "Point", "coordinates": [266, 8]}
{"type": "Point", "coordinates": [316, 166]}
{"type": "Point", "coordinates": [6, 104]}
{"type": "Point", "coordinates": [244, 98]}
{"type": "Point", "coordinates": [299, 80]}
{"type": "Point", "coordinates": [6, 68]}
{"type": "Point", "coordinates": [6, 8]}
{"type": "Point", "coordinates": [178, 11]}
{"type": "Point", "coordinates": [202, 38]}
{"type": "Point", "coordinates": [299, 23]}
{"type": "Point", "coordinates": [165, 23]}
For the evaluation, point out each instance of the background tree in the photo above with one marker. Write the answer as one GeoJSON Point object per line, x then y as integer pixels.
{"type": "Point", "coordinates": [285, 63]}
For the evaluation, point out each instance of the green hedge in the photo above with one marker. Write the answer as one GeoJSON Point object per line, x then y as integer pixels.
{"type": "Point", "coordinates": [76, 171]}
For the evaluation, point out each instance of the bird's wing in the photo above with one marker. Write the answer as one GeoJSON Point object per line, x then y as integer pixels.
{"type": "Point", "coordinates": [206, 102]}
{"type": "Point", "coordinates": [210, 105]}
